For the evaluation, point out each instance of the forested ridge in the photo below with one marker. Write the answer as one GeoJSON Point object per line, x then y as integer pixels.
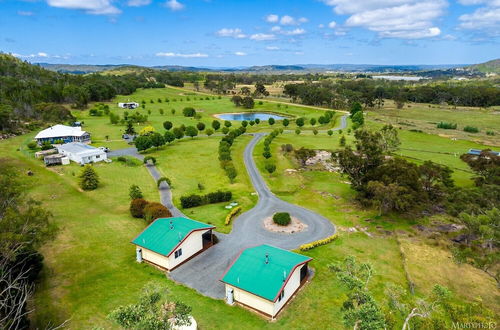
{"type": "Point", "coordinates": [31, 93]}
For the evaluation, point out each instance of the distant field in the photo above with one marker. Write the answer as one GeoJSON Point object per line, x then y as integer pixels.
{"type": "Point", "coordinates": [425, 117]}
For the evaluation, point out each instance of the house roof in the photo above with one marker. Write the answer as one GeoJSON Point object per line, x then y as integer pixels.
{"type": "Point", "coordinates": [251, 273]}
{"type": "Point", "coordinates": [79, 148]}
{"type": "Point", "coordinates": [165, 234]}
{"type": "Point", "coordinates": [59, 131]}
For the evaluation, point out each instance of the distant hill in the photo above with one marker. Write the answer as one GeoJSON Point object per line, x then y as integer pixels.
{"type": "Point", "coordinates": [266, 69]}
{"type": "Point", "coordinates": [492, 66]}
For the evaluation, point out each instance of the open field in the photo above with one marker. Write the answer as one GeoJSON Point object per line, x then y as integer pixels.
{"type": "Point", "coordinates": [425, 117]}
{"type": "Point", "coordinates": [90, 267]}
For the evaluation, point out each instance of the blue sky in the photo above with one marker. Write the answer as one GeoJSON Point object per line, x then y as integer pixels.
{"type": "Point", "coordinates": [216, 33]}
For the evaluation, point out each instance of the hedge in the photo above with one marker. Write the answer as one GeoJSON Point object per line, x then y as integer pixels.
{"type": "Point", "coordinates": [232, 214]}
{"type": "Point", "coordinates": [210, 198]}
{"type": "Point", "coordinates": [312, 245]}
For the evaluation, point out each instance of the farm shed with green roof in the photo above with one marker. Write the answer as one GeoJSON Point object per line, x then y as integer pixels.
{"type": "Point", "coordinates": [169, 242]}
{"type": "Point", "coordinates": [265, 278]}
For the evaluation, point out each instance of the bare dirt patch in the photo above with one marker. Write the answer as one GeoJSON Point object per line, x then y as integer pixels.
{"type": "Point", "coordinates": [295, 226]}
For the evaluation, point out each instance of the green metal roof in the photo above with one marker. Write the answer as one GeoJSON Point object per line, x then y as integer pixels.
{"type": "Point", "coordinates": [164, 234]}
{"type": "Point", "coordinates": [251, 273]}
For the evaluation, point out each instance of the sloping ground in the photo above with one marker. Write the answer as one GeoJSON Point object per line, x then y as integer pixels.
{"type": "Point", "coordinates": [430, 265]}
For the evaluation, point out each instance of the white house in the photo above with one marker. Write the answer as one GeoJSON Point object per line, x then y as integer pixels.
{"type": "Point", "coordinates": [264, 278]}
{"type": "Point", "coordinates": [128, 105]}
{"type": "Point", "coordinates": [82, 153]}
{"type": "Point", "coordinates": [169, 242]}
{"type": "Point", "coordinates": [66, 134]}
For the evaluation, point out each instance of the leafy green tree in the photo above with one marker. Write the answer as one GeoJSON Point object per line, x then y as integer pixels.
{"type": "Point", "coordinates": [135, 192]}
{"type": "Point", "coordinates": [216, 125]}
{"type": "Point", "coordinates": [297, 131]}
{"type": "Point", "coordinates": [169, 137]}
{"type": "Point", "coordinates": [157, 140]}
{"type": "Point", "coordinates": [358, 119]}
{"type": "Point", "coordinates": [355, 108]}
{"type": "Point", "coordinates": [152, 311]}
{"type": "Point", "coordinates": [200, 126]}
{"type": "Point", "coordinates": [360, 310]}
{"type": "Point", "coordinates": [143, 142]}
{"type": "Point", "coordinates": [486, 165]}
{"type": "Point", "coordinates": [237, 100]}
{"type": "Point", "coordinates": [189, 112]}
{"type": "Point", "coordinates": [130, 128]}
{"type": "Point", "coordinates": [342, 141]}
{"type": "Point", "coordinates": [260, 90]}
{"type": "Point", "coordinates": [267, 154]}
{"type": "Point", "coordinates": [330, 132]}
{"type": "Point", "coordinates": [172, 111]}
{"type": "Point", "coordinates": [315, 131]}
{"type": "Point", "coordinates": [113, 118]}
{"type": "Point", "coordinates": [248, 102]}
{"type": "Point", "coordinates": [225, 130]}
{"type": "Point", "coordinates": [271, 121]}
{"type": "Point", "coordinates": [257, 121]}
{"type": "Point", "coordinates": [245, 91]}
{"type": "Point", "coordinates": [167, 125]}
{"type": "Point", "coordinates": [286, 122]}
{"type": "Point", "coordinates": [209, 132]}
{"type": "Point", "coordinates": [271, 168]}
{"type": "Point", "coordinates": [227, 123]}
{"type": "Point", "coordinates": [178, 132]}
{"type": "Point", "coordinates": [312, 121]}
{"type": "Point", "coordinates": [89, 180]}
{"type": "Point", "coordinates": [191, 131]}
{"type": "Point", "coordinates": [300, 122]}
{"type": "Point", "coordinates": [244, 123]}
{"type": "Point", "coordinates": [390, 138]}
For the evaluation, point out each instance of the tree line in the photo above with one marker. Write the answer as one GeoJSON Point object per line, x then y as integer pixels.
{"type": "Point", "coordinates": [371, 93]}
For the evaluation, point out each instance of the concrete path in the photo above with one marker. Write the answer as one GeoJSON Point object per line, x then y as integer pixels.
{"type": "Point", "coordinates": [203, 272]}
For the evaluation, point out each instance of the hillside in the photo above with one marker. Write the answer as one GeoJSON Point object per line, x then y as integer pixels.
{"type": "Point", "coordinates": [492, 66]}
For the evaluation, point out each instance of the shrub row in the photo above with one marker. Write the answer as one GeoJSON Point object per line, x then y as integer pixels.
{"type": "Point", "coordinates": [232, 214]}
{"type": "Point", "coordinates": [471, 129]}
{"type": "Point", "coordinates": [226, 162]}
{"type": "Point", "coordinates": [446, 125]}
{"type": "Point", "coordinates": [210, 198]}
{"type": "Point", "coordinates": [267, 143]}
{"type": "Point", "coordinates": [150, 211]}
{"type": "Point", "coordinates": [312, 245]}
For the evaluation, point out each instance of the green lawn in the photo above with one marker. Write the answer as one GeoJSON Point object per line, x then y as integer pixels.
{"type": "Point", "coordinates": [195, 161]}
{"type": "Point", "coordinates": [90, 266]}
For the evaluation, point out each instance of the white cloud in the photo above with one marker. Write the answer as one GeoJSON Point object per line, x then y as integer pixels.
{"type": "Point", "coordinates": [321, 26]}
{"type": "Point", "coordinates": [138, 3]}
{"type": "Point", "coordinates": [231, 33]}
{"type": "Point", "coordinates": [262, 37]}
{"type": "Point", "coordinates": [272, 48]}
{"type": "Point", "coordinates": [174, 5]}
{"type": "Point", "coordinates": [240, 53]}
{"type": "Point", "coordinates": [272, 18]}
{"type": "Point", "coordinates": [25, 13]}
{"type": "Point", "coordinates": [170, 54]}
{"type": "Point", "coordinates": [287, 20]}
{"type": "Point", "coordinates": [39, 55]}
{"type": "Point", "coordinates": [405, 19]}
{"type": "Point", "coordinates": [332, 24]}
{"type": "Point", "coordinates": [294, 32]}
{"type": "Point", "coordinates": [276, 28]}
{"type": "Point", "coordinates": [484, 19]}
{"type": "Point", "coordinates": [303, 20]}
{"type": "Point", "coordinates": [94, 7]}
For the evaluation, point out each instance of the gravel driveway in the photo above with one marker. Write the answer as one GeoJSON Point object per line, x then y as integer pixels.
{"type": "Point", "coordinates": [203, 272]}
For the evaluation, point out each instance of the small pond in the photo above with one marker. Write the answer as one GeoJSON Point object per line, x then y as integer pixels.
{"type": "Point", "coordinates": [248, 116]}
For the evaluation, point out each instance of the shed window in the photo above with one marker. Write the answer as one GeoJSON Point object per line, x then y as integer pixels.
{"type": "Point", "coordinates": [282, 294]}
{"type": "Point", "coordinates": [178, 253]}
{"type": "Point", "coordinates": [98, 156]}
